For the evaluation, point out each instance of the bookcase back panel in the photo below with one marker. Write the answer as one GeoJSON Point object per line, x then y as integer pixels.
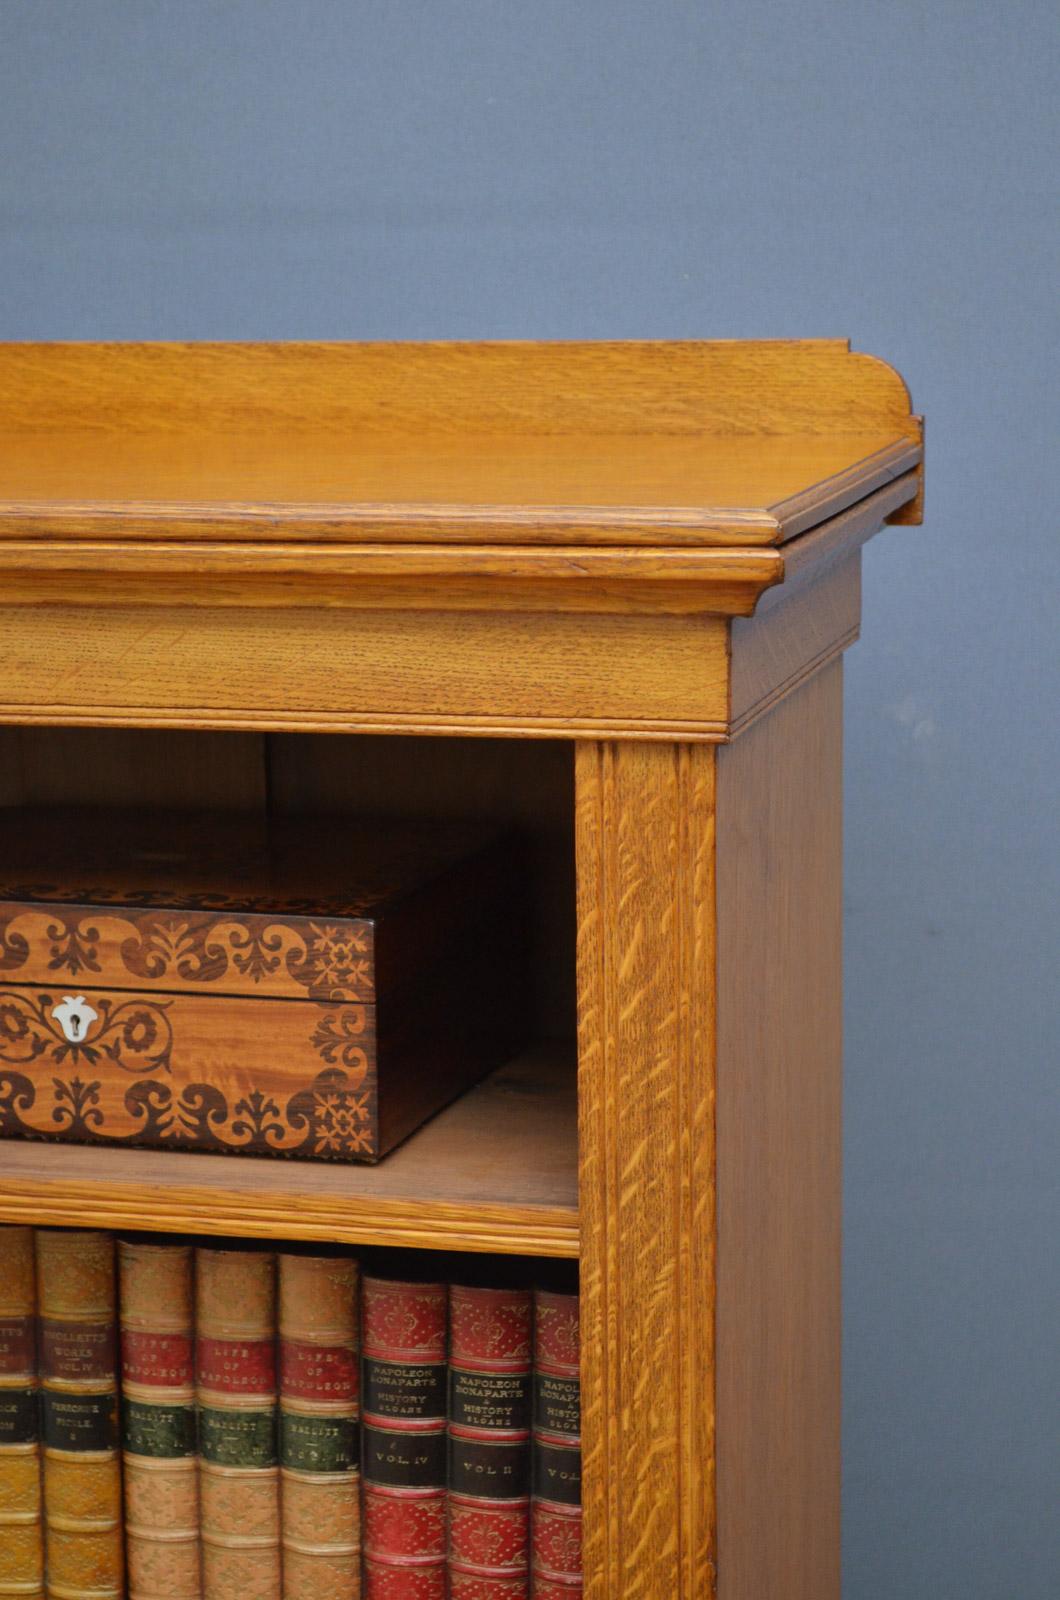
{"type": "Point", "coordinates": [503, 783]}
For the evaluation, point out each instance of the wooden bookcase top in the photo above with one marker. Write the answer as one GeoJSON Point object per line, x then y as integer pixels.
{"type": "Point", "coordinates": [686, 444]}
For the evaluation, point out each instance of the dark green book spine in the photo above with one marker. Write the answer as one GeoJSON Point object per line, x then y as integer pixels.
{"type": "Point", "coordinates": [320, 1435]}
{"type": "Point", "coordinates": [239, 1475]}
{"type": "Point", "coordinates": [159, 1436]}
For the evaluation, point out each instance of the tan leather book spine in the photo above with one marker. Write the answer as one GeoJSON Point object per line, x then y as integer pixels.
{"type": "Point", "coordinates": [239, 1475]}
{"type": "Point", "coordinates": [21, 1527]}
{"type": "Point", "coordinates": [159, 1434]}
{"type": "Point", "coordinates": [79, 1410]}
{"type": "Point", "coordinates": [320, 1478]}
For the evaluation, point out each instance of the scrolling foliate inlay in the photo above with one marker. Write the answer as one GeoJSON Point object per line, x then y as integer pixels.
{"type": "Point", "coordinates": [135, 1036]}
{"type": "Point", "coordinates": [328, 1118]}
{"type": "Point", "coordinates": [66, 1062]}
{"type": "Point", "coordinates": [312, 959]}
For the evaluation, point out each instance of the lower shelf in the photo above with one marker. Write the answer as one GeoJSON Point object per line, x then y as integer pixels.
{"type": "Point", "coordinates": [496, 1171]}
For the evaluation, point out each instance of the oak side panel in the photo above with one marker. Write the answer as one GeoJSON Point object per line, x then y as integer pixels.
{"type": "Point", "coordinates": [645, 853]}
{"type": "Point", "coordinates": [779, 844]}
{"type": "Point", "coordinates": [815, 618]}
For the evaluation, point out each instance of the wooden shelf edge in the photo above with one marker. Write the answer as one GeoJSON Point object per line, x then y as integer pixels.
{"type": "Point", "coordinates": [495, 1171]}
{"type": "Point", "coordinates": [63, 1203]}
{"type": "Point", "coordinates": [293, 721]}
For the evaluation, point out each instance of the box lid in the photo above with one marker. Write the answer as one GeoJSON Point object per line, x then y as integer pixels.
{"type": "Point", "coordinates": [221, 903]}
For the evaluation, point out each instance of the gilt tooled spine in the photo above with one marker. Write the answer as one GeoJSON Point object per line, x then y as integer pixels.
{"type": "Point", "coordinates": [239, 1474]}
{"type": "Point", "coordinates": [158, 1415]}
{"type": "Point", "coordinates": [21, 1526]}
{"type": "Point", "coordinates": [403, 1332]}
{"type": "Point", "coordinates": [556, 1515]}
{"type": "Point", "coordinates": [320, 1478]}
{"type": "Point", "coordinates": [490, 1347]}
{"type": "Point", "coordinates": [79, 1415]}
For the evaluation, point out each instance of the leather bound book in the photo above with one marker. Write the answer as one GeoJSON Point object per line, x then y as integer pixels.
{"type": "Point", "coordinates": [79, 1415]}
{"type": "Point", "coordinates": [158, 1420]}
{"type": "Point", "coordinates": [21, 1533]}
{"type": "Point", "coordinates": [490, 1346]}
{"type": "Point", "coordinates": [239, 1475]}
{"type": "Point", "coordinates": [320, 1480]}
{"type": "Point", "coordinates": [556, 1515]}
{"type": "Point", "coordinates": [403, 1332]}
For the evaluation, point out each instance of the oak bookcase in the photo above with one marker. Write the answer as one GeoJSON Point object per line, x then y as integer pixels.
{"type": "Point", "coordinates": [599, 589]}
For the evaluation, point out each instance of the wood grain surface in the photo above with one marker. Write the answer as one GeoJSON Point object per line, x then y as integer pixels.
{"type": "Point", "coordinates": [733, 387]}
{"type": "Point", "coordinates": [187, 573]}
{"type": "Point", "coordinates": [487, 673]}
{"type": "Point", "coordinates": [771, 655]}
{"type": "Point", "coordinates": [496, 1171]}
{"type": "Point", "coordinates": [779, 1063]}
{"type": "Point", "coordinates": [528, 443]}
{"type": "Point", "coordinates": [645, 852]}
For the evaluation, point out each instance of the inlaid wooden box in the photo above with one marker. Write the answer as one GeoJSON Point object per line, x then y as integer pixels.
{"type": "Point", "coordinates": [315, 990]}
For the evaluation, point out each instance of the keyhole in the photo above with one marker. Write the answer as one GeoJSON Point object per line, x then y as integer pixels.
{"type": "Point", "coordinates": [75, 1016]}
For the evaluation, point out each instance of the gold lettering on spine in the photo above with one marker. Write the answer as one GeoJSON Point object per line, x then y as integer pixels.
{"type": "Point", "coordinates": [21, 1532]}
{"type": "Point", "coordinates": [320, 1469]}
{"type": "Point", "coordinates": [238, 1471]}
{"type": "Point", "coordinates": [161, 1480]}
{"type": "Point", "coordinates": [82, 1482]}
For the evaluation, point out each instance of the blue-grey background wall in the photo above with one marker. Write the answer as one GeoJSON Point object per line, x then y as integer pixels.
{"type": "Point", "coordinates": [597, 168]}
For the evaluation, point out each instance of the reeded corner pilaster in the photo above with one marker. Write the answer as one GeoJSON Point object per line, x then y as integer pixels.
{"type": "Point", "coordinates": [645, 852]}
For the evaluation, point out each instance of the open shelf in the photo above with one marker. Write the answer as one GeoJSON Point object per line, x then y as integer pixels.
{"type": "Point", "coordinates": [495, 1171]}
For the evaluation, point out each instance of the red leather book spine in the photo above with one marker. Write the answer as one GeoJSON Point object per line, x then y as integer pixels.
{"type": "Point", "coordinates": [239, 1476]}
{"type": "Point", "coordinates": [403, 1334]}
{"type": "Point", "coordinates": [556, 1515]}
{"type": "Point", "coordinates": [320, 1480]}
{"type": "Point", "coordinates": [490, 1346]}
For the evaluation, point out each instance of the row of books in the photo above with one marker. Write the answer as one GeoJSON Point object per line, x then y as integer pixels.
{"type": "Point", "coordinates": [188, 1421]}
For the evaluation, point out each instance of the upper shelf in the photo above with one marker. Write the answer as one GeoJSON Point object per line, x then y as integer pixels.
{"type": "Point", "coordinates": [676, 444]}
{"type": "Point", "coordinates": [497, 1171]}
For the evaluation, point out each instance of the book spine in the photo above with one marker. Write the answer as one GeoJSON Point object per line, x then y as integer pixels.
{"type": "Point", "coordinates": [239, 1475]}
{"type": "Point", "coordinates": [79, 1415]}
{"type": "Point", "coordinates": [490, 1348]}
{"type": "Point", "coordinates": [21, 1528]}
{"type": "Point", "coordinates": [158, 1421]}
{"type": "Point", "coordinates": [320, 1479]}
{"type": "Point", "coordinates": [403, 1331]}
{"type": "Point", "coordinates": [556, 1514]}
